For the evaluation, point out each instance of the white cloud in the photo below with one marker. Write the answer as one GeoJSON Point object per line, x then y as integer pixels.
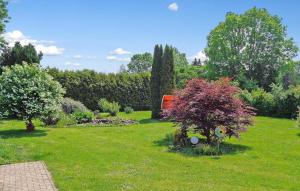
{"type": "Point", "coordinates": [200, 55]}
{"type": "Point", "coordinates": [77, 56]}
{"type": "Point", "coordinates": [119, 51]}
{"type": "Point", "coordinates": [49, 50]}
{"type": "Point", "coordinates": [116, 59]}
{"type": "Point", "coordinates": [173, 7]}
{"type": "Point", "coordinates": [45, 46]}
{"type": "Point", "coordinates": [72, 63]}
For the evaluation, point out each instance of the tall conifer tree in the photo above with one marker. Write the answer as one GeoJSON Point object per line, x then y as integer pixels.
{"type": "Point", "coordinates": [167, 72]}
{"type": "Point", "coordinates": [155, 81]}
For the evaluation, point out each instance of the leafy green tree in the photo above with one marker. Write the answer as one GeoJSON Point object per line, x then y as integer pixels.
{"type": "Point", "coordinates": [253, 44]}
{"type": "Point", "coordinates": [19, 54]}
{"type": "Point", "coordinates": [140, 63]}
{"type": "Point", "coordinates": [28, 91]}
{"type": "Point", "coordinates": [179, 58]}
{"type": "Point", "coordinates": [289, 74]}
{"type": "Point", "coordinates": [156, 81]}
{"type": "Point", "coordinates": [167, 72]}
{"type": "Point", "coordinates": [3, 20]}
{"type": "Point", "coordinates": [186, 73]}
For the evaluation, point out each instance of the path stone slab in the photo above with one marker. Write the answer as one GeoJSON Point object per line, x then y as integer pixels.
{"type": "Point", "coordinates": [31, 176]}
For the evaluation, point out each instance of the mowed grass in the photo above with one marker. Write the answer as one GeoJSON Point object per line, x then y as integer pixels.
{"type": "Point", "coordinates": [136, 157]}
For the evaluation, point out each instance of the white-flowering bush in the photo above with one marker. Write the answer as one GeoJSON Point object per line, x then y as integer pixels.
{"type": "Point", "coordinates": [29, 92]}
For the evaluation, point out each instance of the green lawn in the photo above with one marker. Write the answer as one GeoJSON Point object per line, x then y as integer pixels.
{"type": "Point", "coordinates": [136, 157]}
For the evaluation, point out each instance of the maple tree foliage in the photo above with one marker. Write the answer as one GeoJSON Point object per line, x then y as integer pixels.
{"type": "Point", "coordinates": [204, 106]}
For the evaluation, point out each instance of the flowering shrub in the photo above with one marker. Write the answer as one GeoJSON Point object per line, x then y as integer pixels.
{"type": "Point", "coordinates": [205, 106]}
{"type": "Point", "coordinates": [29, 92]}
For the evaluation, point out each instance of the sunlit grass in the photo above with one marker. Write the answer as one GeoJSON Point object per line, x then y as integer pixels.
{"type": "Point", "coordinates": [136, 157]}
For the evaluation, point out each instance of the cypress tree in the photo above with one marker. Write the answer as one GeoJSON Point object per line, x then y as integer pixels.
{"type": "Point", "coordinates": [156, 81]}
{"type": "Point", "coordinates": [167, 73]}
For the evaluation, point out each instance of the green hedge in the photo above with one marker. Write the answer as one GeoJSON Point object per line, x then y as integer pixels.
{"type": "Point", "coordinates": [89, 86]}
{"type": "Point", "coordinates": [277, 103]}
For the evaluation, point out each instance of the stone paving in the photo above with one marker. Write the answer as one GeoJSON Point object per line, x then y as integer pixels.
{"type": "Point", "coordinates": [31, 176]}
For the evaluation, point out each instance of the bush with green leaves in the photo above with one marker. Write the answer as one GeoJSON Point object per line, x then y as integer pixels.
{"type": "Point", "coordinates": [66, 120]}
{"type": "Point", "coordinates": [83, 117]}
{"type": "Point", "coordinates": [70, 105]}
{"type": "Point", "coordinates": [88, 87]}
{"type": "Point", "coordinates": [28, 91]}
{"type": "Point", "coordinates": [111, 107]}
{"type": "Point", "coordinates": [263, 102]}
{"type": "Point", "coordinates": [128, 110]}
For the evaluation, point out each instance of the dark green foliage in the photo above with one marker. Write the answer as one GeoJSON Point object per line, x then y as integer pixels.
{"type": "Point", "coordinates": [277, 103]}
{"type": "Point", "coordinates": [128, 110]}
{"type": "Point", "coordinates": [167, 72]}
{"type": "Point", "coordinates": [69, 106]}
{"type": "Point", "coordinates": [155, 81]}
{"type": "Point", "coordinates": [19, 54]}
{"type": "Point", "coordinates": [111, 107]}
{"type": "Point", "coordinates": [289, 74]}
{"type": "Point", "coordinates": [3, 19]}
{"type": "Point", "coordinates": [163, 75]}
{"type": "Point", "coordinates": [83, 117]}
{"type": "Point", "coordinates": [89, 86]}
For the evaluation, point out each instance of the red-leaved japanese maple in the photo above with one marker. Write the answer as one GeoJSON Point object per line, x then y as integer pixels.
{"type": "Point", "coordinates": [206, 105]}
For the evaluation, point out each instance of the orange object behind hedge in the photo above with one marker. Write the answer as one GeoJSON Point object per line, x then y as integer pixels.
{"type": "Point", "coordinates": [167, 101]}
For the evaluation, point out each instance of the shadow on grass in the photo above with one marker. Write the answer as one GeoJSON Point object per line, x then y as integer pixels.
{"type": "Point", "coordinates": [147, 121]}
{"type": "Point", "coordinates": [225, 147]}
{"type": "Point", "coordinates": [20, 133]}
{"type": "Point", "coordinates": [298, 134]}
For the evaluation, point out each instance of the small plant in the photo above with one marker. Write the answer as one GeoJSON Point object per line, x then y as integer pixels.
{"type": "Point", "coordinates": [111, 107]}
{"type": "Point", "coordinates": [206, 149]}
{"type": "Point", "coordinates": [66, 120]}
{"type": "Point", "coordinates": [51, 119]}
{"type": "Point", "coordinates": [83, 117]}
{"type": "Point", "coordinates": [128, 110]}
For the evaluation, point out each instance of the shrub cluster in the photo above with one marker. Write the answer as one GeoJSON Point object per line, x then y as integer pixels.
{"type": "Point", "coordinates": [89, 86]}
{"type": "Point", "coordinates": [277, 103]}
{"type": "Point", "coordinates": [69, 106]}
{"type": "Point", "coordinates": [111, 107]}
{"type": "Point", "coordinates": [83, 117]}
{"type": "Point", "coordinates": [128, 110]}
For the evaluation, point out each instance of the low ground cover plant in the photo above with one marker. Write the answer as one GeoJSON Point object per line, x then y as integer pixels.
{"type": "Point", "coordinates": [83, 117]}
{"type": "Point", "coordinates": [111, 107]}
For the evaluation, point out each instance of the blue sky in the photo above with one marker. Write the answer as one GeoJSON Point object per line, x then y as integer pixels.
{"type": "Point", "coordinates": [102, 35]}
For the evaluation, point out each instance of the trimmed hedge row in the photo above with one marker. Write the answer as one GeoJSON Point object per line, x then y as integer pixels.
{"type": "Point", "coordinates": [88, 87]}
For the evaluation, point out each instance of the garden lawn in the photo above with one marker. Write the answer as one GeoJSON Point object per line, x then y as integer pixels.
{"type": "Point", "coordinates": [136, 157]}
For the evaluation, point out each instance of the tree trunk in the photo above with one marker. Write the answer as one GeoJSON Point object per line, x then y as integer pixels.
{"type": "Point", "coordinates": [207, 135]}
{"type": "Point", "coordinates": [30, 126]}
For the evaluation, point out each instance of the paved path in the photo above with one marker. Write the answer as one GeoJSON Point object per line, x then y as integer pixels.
{"type": "Point", "coordinates": [31, 176]}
